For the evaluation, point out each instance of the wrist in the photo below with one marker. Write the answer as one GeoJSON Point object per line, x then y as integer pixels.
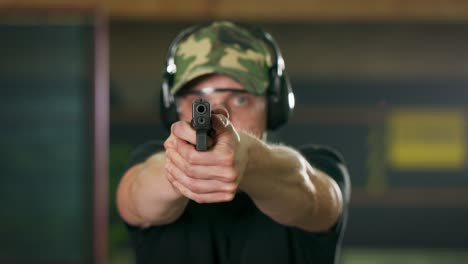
{"type": "Point", "coordinates": [255, 153]}
{"type": "Point", "coordinates": [153, 176]}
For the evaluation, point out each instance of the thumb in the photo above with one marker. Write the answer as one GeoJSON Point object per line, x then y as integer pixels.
{"type": "Point", "coordinates": [220, 124]}
{"type": "Point", "coordinates": [220, 120]}
{"type": "Point", "coordinates": [224, 131]}
{"type": "Point", "coordinates": [221, 111]}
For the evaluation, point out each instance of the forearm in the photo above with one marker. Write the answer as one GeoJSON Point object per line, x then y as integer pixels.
{"type": "Point", "coordinates": [285, 187]}
{"type": "Point", "coordinates": [145, 197]}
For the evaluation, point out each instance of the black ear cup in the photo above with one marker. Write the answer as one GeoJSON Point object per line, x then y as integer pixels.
{"type": "Point", "coordinates": [167, 105]}
{"type": "Point", "coordinates": [280, 96]}
{"type": "Point", "coordinates": [279, 93]}
{"type": "Point", "coordinates": [281, 105]}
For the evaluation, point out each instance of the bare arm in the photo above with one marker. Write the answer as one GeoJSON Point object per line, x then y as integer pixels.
{"type": "Point", "coordinates": [287, 188]}
{"type": "Point", "coordinates": [145, 197]}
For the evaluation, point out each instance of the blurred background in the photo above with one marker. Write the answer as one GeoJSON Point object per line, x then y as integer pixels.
{"type": "Point", "coordinates": [384, 82]}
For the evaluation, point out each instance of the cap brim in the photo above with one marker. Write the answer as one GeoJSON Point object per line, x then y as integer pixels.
{"type": "Point", "coordinates": [195, 73]}
{"type": "Point", "coordinates": [204, 70]}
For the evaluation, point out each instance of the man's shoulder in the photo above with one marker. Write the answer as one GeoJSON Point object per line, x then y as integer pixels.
{"type": "Point", "coordinates": [314, 151]}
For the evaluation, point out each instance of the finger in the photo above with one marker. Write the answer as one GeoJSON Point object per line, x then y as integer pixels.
{"type": "Point", "coordinates": [204, 198]}
{"type": "Point", "coordinates": [222, 126]}
{"type": "Point", "coordinates": [226, 135]}
{"type": "Point", "coordinates": [184, 144]}
{"type": "Point", "coordinates": [198, 186]}
{"type": "Point", "coordinates": [170, 142]}
{"type": "Point", "coordinates": [220, 111]}
{"type": "Point", "coordinates": [220, 123]}
{"type": "Point", "coordinates": [222, 156]}
{"type": "Point", "coordinates": [183, 130]}
{"type": "Point", "coordinates": [171, 180]}
{"type": "Point", "coordinates": [204, 172]}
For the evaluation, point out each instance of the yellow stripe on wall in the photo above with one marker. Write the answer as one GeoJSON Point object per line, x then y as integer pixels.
{"type": "Point", "coordinates": [427, 138]}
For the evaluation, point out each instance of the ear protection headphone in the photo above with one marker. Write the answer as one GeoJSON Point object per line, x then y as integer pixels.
{"type": "Point", "coordinates": [279, 94]}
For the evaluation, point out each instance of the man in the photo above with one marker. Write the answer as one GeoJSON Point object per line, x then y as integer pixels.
{"type": "Point", "coordinates": [243, 200]}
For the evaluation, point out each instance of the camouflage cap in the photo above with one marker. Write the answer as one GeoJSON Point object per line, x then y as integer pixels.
{"type": "Point", "coordinates": [225, 48]}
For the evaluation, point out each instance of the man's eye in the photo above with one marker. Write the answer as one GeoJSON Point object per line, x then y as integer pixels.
{"type": "Point", "coordinates": [240, 100]}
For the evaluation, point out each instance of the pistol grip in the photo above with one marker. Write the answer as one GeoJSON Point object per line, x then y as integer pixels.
{"type": "Point", "coordinates": [202, 140]}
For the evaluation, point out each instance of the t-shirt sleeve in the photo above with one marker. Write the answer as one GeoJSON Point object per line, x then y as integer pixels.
{"type": "Point", "coordinates": [327, 244]}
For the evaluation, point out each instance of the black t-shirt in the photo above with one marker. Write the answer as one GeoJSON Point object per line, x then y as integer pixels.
{"type": "Point", "coordinates": [236, 231]}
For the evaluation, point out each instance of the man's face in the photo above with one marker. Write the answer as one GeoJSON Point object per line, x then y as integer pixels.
{"type": "Point", "coordinates": [247, 111]}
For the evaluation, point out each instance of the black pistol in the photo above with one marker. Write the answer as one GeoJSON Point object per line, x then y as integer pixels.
{"type": "Point", "coordinates": [201, 122]}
